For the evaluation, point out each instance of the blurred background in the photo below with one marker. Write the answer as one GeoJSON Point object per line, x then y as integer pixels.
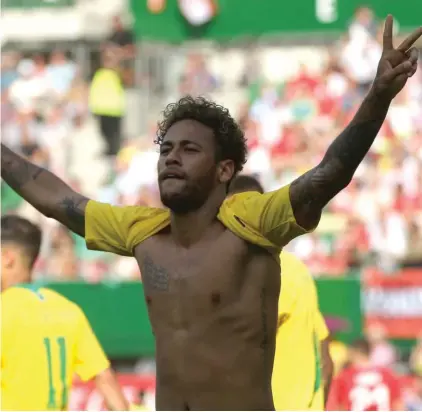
{"type": "Point", "coordinates": [82, 86]}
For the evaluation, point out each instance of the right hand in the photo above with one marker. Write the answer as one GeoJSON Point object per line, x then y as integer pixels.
{"type": "Point", "coordinates": [396, 64]}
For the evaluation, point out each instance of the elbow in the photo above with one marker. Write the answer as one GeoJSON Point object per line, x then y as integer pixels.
{"type": "Point", "coordinates": [329, 370]}
{"type": "Point", "coordinates": [327, 361]}
{"type": "Point", "coordinates": [340, 180]}
{"type": "Point", "coordinates": [334, 173]}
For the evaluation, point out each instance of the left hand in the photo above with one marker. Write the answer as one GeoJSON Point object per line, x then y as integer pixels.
{"type": "Point", "coordinates": [396, 64]}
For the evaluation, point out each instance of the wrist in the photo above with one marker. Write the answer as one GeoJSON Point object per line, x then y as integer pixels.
{"type": "Point", "coordinates": [378, 98]}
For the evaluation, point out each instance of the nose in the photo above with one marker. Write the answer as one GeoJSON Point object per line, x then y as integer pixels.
{"type": "Point", "coordinates": [173, 158]}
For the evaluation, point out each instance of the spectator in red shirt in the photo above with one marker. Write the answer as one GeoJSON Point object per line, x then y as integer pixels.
{"type": "Point", "coordinates": [363, 387]}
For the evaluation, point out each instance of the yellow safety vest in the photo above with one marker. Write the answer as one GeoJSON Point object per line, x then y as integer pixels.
{"type": "Point", "coordinates": [106, 94]}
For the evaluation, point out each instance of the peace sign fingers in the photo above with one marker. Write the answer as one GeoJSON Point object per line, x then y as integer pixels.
{"type": "Point", "coordinates": [387, 40]}
{"type": "Point", "coordinates": [410, 40]}
{"type": "Point", "coordinates": [396, 64]}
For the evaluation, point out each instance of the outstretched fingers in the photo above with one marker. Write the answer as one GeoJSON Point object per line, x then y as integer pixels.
{"type": "Point", "coordinates": [387, 40]}
{"type": "Point", "coordinates": [410, 40]}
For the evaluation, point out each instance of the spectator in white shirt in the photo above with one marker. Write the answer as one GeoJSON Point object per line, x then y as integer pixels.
{"type": "Point", "coordinates": [28, 90]}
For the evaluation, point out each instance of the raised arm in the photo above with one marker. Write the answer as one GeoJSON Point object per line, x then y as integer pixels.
{"type": "Point", "coordinates": [43, 190]}
{"type": "Point", "coordinates": [313, 190]}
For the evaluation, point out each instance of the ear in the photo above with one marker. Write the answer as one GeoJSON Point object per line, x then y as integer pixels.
{"type": "Point", "coordinates": [225, 170]}
{"type": "Point", "coordinates": [8, 258]}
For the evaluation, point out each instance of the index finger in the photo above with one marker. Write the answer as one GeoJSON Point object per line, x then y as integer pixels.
{"type": "Point", "coordinates": [409, 40]}
{"type": "Point", "coordinates": [387, 39]}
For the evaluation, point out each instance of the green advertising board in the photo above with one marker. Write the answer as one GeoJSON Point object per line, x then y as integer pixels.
{"type": "Point", "coordinates": [119, 317]}
{"type": "Point", "coordinates": [117, 313]}
{"type": "Point", "coordinates": [251, 18]}
{"type": "Point", "coordinates": [340, 302]}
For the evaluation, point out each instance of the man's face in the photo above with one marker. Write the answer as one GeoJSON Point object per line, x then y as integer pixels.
{"type": "Point", "coordinates": [187, 167]}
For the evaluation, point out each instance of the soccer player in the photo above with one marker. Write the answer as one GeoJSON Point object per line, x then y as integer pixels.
{"type": "Point", "coordinates": [303, 367]}
{"type": "Point", "coordinates": [363, 387]}
{"type": "Point", "coordinates": [209, 264]}
{"type": "Point", "coordinates": [45, 338]}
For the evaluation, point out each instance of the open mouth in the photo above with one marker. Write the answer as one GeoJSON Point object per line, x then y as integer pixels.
{"type": "Point", "coordinates": [172, 175]}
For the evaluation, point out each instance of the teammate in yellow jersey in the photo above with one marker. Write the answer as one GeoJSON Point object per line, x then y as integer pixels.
{"type": "Point", "coordinates": [45, 338]}
{"type": "Point", "coordinates": [302, 368]}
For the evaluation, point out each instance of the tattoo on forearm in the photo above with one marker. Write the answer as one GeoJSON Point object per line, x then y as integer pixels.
{"type": "Point", "coordinates": [154, 277]}
{"type": "Point", "coordinates": [16, 171]}
{"type": "Point", "coordinates": [73, 210]}
{"type": "Point", "coordinates": [312, 191]}
{"type": "Point", "coordinates": [265, 336]}
{"type": "Point", "coordinates": [45, 191]}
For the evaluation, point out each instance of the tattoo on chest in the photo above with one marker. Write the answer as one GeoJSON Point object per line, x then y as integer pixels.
{"type": "Point", "coordinates": [154, 276]}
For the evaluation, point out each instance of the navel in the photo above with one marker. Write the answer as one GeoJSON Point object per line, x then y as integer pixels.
{"type": "Point", "coordinates": [149, 300]}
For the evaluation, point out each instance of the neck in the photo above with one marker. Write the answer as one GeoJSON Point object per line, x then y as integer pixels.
{"type": "Point", "coordinates": [188, 228]}
{"type": "Point", "coordinates": [21, 277]}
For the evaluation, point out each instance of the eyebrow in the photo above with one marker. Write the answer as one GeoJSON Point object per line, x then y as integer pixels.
{"type": "Point", "coordinates": [183, 142]}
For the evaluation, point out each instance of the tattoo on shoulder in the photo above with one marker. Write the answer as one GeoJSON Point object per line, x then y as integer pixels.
{"type": "Point", "coordinates": [74, 210]}
{"type": "Point", "coordinates": [154, 276]}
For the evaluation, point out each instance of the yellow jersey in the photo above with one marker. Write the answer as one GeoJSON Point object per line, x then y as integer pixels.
{"type": "Point", "coordinates": [266, 220]}
{"type": "Point", "coordinates": [297, 380]}
{"type": "Point", "coordinates": [45, 340]}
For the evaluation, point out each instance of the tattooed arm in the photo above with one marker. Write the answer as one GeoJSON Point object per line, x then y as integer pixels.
{"type": "Point", "coordinates": [313, 190]}
{"type": "Point", "coordinates": [43, 190]}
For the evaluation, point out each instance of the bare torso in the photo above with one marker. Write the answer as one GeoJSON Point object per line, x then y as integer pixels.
{"type": "Point", "coordinates": [213, 310]}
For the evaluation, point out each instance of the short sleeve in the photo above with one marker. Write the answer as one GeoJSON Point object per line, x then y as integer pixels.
{"type": "Point", "coordinates": [118, 229]}
{"type": "Point", "coordinates": [90, 357]}
{"type": "Point", "coordinates": [320, 326]}
{"type": "Point", "coordinates": [272, 215]}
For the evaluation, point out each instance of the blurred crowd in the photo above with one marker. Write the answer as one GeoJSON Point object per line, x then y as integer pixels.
{"type": "Point", "coordinates": [376, 221]}
{"type": "Point", "coordinates": [43, 101]}
{"type": "Point", "coordinates": [382, 354]}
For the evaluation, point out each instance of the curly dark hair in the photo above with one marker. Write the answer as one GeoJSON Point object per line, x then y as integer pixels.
{"type": "Point", "coordinates": [229, 137]}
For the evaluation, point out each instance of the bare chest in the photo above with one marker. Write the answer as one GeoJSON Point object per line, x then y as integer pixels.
{"type": "Point", "coordinates": [214, 276]}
